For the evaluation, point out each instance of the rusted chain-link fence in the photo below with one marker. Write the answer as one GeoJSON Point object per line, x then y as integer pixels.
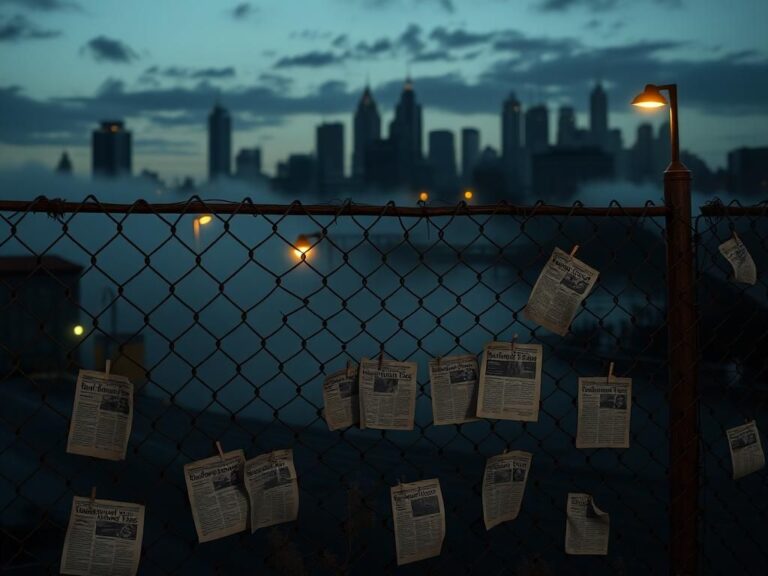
{"type": "Point", "coordinates": [227, 327]}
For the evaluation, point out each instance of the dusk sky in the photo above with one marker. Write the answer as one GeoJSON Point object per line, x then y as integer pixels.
{"type": "Point", "coordinates": [281, 67]}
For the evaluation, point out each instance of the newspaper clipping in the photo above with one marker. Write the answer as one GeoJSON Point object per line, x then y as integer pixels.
{"type": "Point", "coordinates": [272, 488]}
{"type": "Point", "coordinates": [510, 382]}
{"type": "Point", "coordinates": [419, 515]}
{"type": "Point", "coordinates": [746, 449]}
{"type": "Point", "coordinates": [503, 486]}
{"type": "Point", "coordinates": [454, 389]}
{"type": "Point", "coordinates": [559, 291]}
{"type": "Point", "coordinates": [388, 394]}
{"type": "Point", "coordinates": [587, 527]}
{"type": "Point", "coordinates": [605, 406]}
{"type": "Point", "coordinates": [340, 396]}
{"type": "Point", "coordinates": [217, 496]}
{"type": "Point", "coordinates": [736, 253]}
{"type": "Point", "coordinates": [103, 538]}
{"type": "Point", "coordinates": [102, 415]}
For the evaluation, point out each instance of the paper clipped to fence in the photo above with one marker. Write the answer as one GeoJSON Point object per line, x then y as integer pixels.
{"type": "Point", "coordinates": [747, 454]}
{"type": "Point", "coordinates": [102, 415]}
{"type": "Point", "coordinates": [419, 517]}
{"type": "Point", "coordinates": [605, 406]}
{"type": "Point", "coordinates": [341, 398]}
{"type": "Point", "coordinates": [103, 538]}
{"type": "Point", "coordinates": [504, 483]}
{"type": "Point", "coordinates": [453, 382]}
{"type": "Point", "coordinates": [387, 394]}
{"type": "Point", "coordinates": [587, 528]}
{"type": "Point", "coordinates": [556, 297]}
{"type": "Point", "coordinates": [510, 381]}
{"type": "Point", "coordinates": [741, 261]}
{"type": "Point", "coordinates": [217, 495]}
{"type": "Point", "coordinates": [273, 490]}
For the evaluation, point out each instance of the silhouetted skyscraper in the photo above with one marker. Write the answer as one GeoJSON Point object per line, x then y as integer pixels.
{"type": "Point", "coordinates": [329, 148]}
{"type": "Point", "coordinates": [470, 152]}
{"type": "Point", "coordinates": [248, 164]}
{"type": "Point", "coordinates": [566, 127]}
{"type": "Point", "coordinates": [442, 158]}
{"type": "Point", "coordinates": [111, 149]}
{"type": "Point", "coordinates": [512, 151]}
{"type": "Point", "coordinates": [219, 143]}
{"type": "Point", "coordinates": [643, 164]}
{"type": "Point", "coordinates": [65, 164]}
{"type": "Point", "coordinates": [537, 129]}
{"type": "Point", "coordinates": [598, 116]}
{"type": "Point", "coordinates": [367, 130]}
{"type": "Point", "coordinates": [405, 133]}
{"type": "Point", "coordinates": [748, 171]}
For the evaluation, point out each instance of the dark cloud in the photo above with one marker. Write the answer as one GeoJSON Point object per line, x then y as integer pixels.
{"type": "Point", "coordinates": [104, 49]}
{"type": "Point", "coordinates": [459, 38]}
{"type": "Point", "coordinates": [312, 59]}
{"type": "Point", "coordinates": [18, 28]}
{"type": "Point", "coordinates": [594, 5]}
{"type": "Point", "coordinates": [43, 5]}
{"type": "Point", "coordinates": [243, 10]}
{"type": "Point", "coordinates": [446, 5]}
{"type": "Point", "coordinates": [411, 39]}
{"type": "Point", "coordinates": [184, 73]}
{"type": "Point", "coordinates": [278, 81]}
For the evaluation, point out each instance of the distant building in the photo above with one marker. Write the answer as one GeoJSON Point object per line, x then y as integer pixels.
{"type": "Point", "coordinates": [598, 117]}
{"type": "Point", "coordinates": [566, 128]}
{"type": "Point", "coordinates": [643, 165]}
{"type": "Point", "coordinates": [297, 174]}
{"type": "Point", "coordinates": [748, 171]}
{"type": "Point", "coordinates": [442, 158]}
{"type": "Point", "coordinates": [40, 299]}
{"type": "Point", "coordinates": [65, 164]}
{"type": "Point", "coordinates": [405, 134]}
{"type": "Point", "coordinates": [490, 177]}
{"type": "Point", "coordinates": [367, 129]}
{"type": "Point", "coordinates": [662, 149]}
{"type": "Point", "coordinates": [537, 129]}
{"type": "Point", "coordinates": [248, 164]}
{"type": "Point", "coordinates": [470, 152]}
{"type": "Point", "coordinates": [381, 164]}
{"type": "Point", "coordinates": [329, 151]}
{"type": "Point", "coordinates": [111, 149]}
{"type": "Point", "coordinates": [512, 151]}
{"type": "Point", "coordinates": [558, 173]}
{"type": "Point", "coordinates": [219, 143]}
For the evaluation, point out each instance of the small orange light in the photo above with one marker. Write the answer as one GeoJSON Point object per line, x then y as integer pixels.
{"type": "Point", "coordinates": [468, 194]}
{"type": "Point", "coordinates": [205, 219]}
{"type": "Point", "coordinates": [78, 330]}
{"type": "Point", "coordinates": [424, 196]}
{"type": "Point", "coordinates": [302, 247]}
{"type": "Point", "coordinates": [649, 104]}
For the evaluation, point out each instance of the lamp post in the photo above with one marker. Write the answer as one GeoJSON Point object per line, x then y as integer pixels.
{"type": "Point", "coordinates": [681, 336]}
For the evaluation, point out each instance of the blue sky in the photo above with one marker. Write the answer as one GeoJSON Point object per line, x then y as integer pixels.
{"type": "Point", "coordinates": [284, 66]}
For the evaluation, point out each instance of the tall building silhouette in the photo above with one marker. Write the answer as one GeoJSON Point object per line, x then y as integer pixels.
{"type": "Point", "coordinates": [219, 143]}
{"type": "Point", "coordinates": [329, 150]}
{"type": "Point", "coordinates": [643, 158]}
{"type": "Point", "coordinates": [512, 151]}
{"type": "Point", "coordinates": [598, 116]}
{"type": "Point", "coordinates": [566, 127]}
{"type": "Point", "coordinates": [367, 130]}
{"type": "Point", "coordinates": [442, 158]}
{"type": "Point", "coordinates": [111, 149]}
{"type": "Point", "coordinates": [537, 129]}
{"type": "Point", "coordinates": [405, 133]}
{"type": "Point", "coordinates": [470, 152]}
{"type": "Point", "coordinates": [248, 164]}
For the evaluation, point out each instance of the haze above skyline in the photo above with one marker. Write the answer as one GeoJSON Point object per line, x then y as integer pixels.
{"type": "Point", "coordinates": [283, 67]}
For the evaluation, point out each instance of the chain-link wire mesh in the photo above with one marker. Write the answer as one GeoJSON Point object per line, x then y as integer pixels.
{"type": "Point", "coordinates": [733, 387]}
{"type": "Point", "coordinates": [228, 335]}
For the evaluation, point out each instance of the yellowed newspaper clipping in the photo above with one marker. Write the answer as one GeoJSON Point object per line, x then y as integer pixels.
{"type": "Point", "coordinates": [510, 382]}
{"type": "Point", "coordinates": [504, 486]}
{"type": "Point", "coordinates": [387, 394]}
{"type": "Point", "coordinates": [103, 538]}
{"type": "Point", "coordinates": [605, 407]}
{"type": "Point", "coordinates": [419, 516]}
{"type": "Point", "coordinates": [270, 480]}
{"type": "Point", "coordinates": [453, 382]}
{"type": "Point", "coordinates": [587, 528]}
{"type": "Point", "coordinates": [102, 416]}
{"type": "Point", "coordinates": [341, 399]}
{"type": "Point", "coordinates": [557, 295]}
{"type": "Point", "coordinates": [747, 454]}
{"type": "Point", "coordinates": [741, 261]}
{"type": "Point", "coordinates": [217, 495]}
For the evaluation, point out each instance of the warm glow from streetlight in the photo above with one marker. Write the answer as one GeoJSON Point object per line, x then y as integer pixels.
{"type": "Point", "coordinates": [78, 330]}
{"type": "Point", "coordinates": [424, 196]}
{"type": "Point", "coordinates": [468, 194]}
{"type": "Point", "coordinates": [650, 98]}
{"type": "Point", "coordinates": [302, 247]}
{"type": "Point", "coordinates": [205, 219]}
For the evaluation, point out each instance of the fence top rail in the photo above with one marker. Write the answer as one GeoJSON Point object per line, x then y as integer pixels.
{"type": "Point", "coordinates": [717, 208]}
{"type": "Point", "coordinates": [196, 205]}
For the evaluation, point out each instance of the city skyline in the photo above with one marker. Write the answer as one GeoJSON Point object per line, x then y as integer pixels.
{"type": "Point", "coordinates": [280, 78]}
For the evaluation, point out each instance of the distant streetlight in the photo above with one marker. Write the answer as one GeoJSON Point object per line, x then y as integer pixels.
{"type": "Point", "coordinates": [198, 222]}
{"type": "Point", "coordinates": [78, 330]}
{"type": "Point", "coordinates": [423, 196]}
{"type": "Point", "coordinates": [303, 245]}
{"type": "Point", "coordinates": [468, 194]}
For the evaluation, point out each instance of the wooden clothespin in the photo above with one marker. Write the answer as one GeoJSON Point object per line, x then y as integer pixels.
{"type": "Point", "coordinates": [610, 372]}
{"type": "Point", "coordinates": [346, 372]}
{"type": "Point", "coordinates": [506, 450]}
{"type": "Point", "coordinates": [514, 341]}
{"type": "Point", "coordinates": [573, 251]}
{"type": "Point", "coordinates": [93, 493]}
{"type": "Point", "coordinates": [437, 361]}
{"type": "Point", "coordinates": [736, 236]}
{"type": "Point", "coordinates": [221, 451]}
{"type": "Point", "coordinates": [108, 367]}
{"type": "Point", "coordinates": [381, 358]}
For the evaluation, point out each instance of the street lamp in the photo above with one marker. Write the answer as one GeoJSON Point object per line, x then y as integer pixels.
{"type": "Point", "coordinates": [198, 222]}
{"type": "Point", "coordinates": [651, 98]}
{"type": "Point", "coordinates": [468, 194]}
{"type": "Point", "coordinates": [423, 196]}
{"type": "Point", "coordinates": [303, 245]}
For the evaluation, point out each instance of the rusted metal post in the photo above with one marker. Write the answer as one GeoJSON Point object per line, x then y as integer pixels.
{"type": "Point", "coordinates": [683, 356]}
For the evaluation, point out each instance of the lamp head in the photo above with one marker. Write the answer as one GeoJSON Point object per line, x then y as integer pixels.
{"type": "Point", "coordinates": [650, 98]}
{"type": "Point", "coordinates": [205, 219]}
{"type": "Point", "coordinates": [424, 196]}
{"type": "Point", "coordinates": [302, 246]}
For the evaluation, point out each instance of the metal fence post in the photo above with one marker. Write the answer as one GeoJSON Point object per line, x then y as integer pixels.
{"type": "Point", "coordinates": [681, 332]}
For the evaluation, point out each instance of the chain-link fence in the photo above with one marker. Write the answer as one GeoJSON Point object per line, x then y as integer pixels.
{"type": "Point", "coordinates": [228, 323]}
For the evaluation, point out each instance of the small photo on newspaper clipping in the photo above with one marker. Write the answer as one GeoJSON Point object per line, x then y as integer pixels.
{"type": "Point", "coordinates": [103, 538]}
{"type": "Point", "coordinates": [587, 528]}
{"type": "Point", "coordinates": [746, 449]}
{"type": "Point", "coordinates": [510, 382]}
{"type": "Point", "coordinates": [741, 261]}
{"type": "Point", "coordinates": [453, 382]}
{"type": "Point", "coordinates": [217, 495]}
{"type": "Point", "coordinates": [557, 295]}
{"type": "Point", "coordinates": [387, 394]}
{"type": "Point", "coordinates": [504, 486]}
{"type": "Point", "coordinates": [340, 398]}
{"type": "Point", "coordinates": [273, 490]}
{"type": "Point", "coordinates": [419, 517]}
{"type": "Point", "coordinates": [605, 407]}
{"type": "Point", "coordinates": [102, 416]}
